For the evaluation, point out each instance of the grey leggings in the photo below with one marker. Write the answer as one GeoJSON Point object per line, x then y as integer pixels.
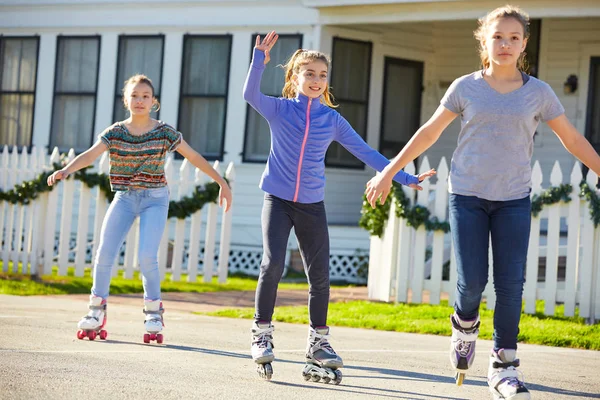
{"type": "Point", "coordinates": [310, 225]}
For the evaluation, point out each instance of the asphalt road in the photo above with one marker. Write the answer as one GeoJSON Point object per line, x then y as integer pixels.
{"type": "Point", "coordinates": [208, 358]}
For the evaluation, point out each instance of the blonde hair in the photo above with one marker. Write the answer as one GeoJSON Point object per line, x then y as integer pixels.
{"type": "Point", "coordinates": [135, 79]}
{"type": "Point", "coordinates": [507, 11]}
{"type": "Point", "coordinates": [299, 58]}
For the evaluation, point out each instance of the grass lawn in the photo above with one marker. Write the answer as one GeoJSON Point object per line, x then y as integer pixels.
{"type": "Point", "coordinates": [24, 285]}
{"type": "Point", "coordinates": [555, 330]}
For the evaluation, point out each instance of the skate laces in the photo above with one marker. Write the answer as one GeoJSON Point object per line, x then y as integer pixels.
{"type": "Point", "coordinates": [263, 339]}
{"type": "Point", "coordinates": [463, 347]}
{"type": "Point", "coordinates": [320, 341]}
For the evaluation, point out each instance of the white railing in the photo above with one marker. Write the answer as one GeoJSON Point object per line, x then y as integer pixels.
{"type": "Point", "coordinates": [32, 231]}
{"type": "Point", "coordinates": [400, 272]}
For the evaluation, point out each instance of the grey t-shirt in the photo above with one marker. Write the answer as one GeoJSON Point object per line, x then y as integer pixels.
{"type": "Point", "coordinates": [493, 158]}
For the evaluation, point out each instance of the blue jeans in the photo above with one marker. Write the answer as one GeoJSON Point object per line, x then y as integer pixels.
{"type": "Point", "coordinates": [152, 206]}
{"type": "Point", "coordinates": [471, 221]}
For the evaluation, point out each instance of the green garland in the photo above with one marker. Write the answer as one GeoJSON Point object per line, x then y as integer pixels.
{"type": "Point", "coordinates": [28, 191]}
{"type": "Point", "coordinates": [374, 219]}
{"type": "Point", "coordinates": [593, 201]}
{"type": "Point", "coordinates": [550, 196]}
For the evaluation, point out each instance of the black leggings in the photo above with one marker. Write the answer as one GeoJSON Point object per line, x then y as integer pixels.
{"type": "Point", "coordinates": [310, 225]}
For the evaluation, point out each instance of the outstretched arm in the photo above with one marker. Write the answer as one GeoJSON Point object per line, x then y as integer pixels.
{"type": "Point", "coordinates": [355, 144]}
{"type": "Point", "coordinates": [575, 142]}
{"type": "Point", "coordinates": [267, 106]}
{"type": "Point", "coordinates": [81, 161]}
{"type": "Point", "coordinates": [200, 162]}
{"type": "Point", "coordinates": [423, 139]}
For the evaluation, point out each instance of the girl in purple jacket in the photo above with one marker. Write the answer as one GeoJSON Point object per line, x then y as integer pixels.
{"type": "Point", "coordinates": [303, 124]}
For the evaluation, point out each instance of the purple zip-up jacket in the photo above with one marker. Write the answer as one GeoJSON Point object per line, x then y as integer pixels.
{"type": "Point", "coordinates": [301, 131]}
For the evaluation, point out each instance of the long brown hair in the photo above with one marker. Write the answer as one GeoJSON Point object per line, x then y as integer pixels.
{"type": "Point", "coordinates": [135, 79]}
{"type": "Point", "coordinates": [299, 58]}
{"type": "Point", "coordinates": [507, 11]}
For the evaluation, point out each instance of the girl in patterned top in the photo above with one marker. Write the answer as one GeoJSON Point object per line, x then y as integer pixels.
{"type": "Point", "coordinates": [137, 149]}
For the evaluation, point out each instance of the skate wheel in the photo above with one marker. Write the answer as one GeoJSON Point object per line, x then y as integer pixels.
{"type": "Point", "coordinates": [146, 338]}
{"type": "Point", "coordinates": [326, 380]}
{"type": "Point", "coordinates": [338, 377]}
{"type": "Point", "coordinates": [265, 371]}
{"type": "Point", "coordinates": [315, 378]}
{"type": "Point", "coordinates": [305, 376]}
{"type": "Point", "coordinates": [159, 338]}
{"type": "Point", "coordinates": [80, 334]}
{"type": "Point", "coordinates": [103, 334]}
{"type": "Point", "coordinates": [92, 335]}
{"type": "Point", "coordinates": [460, 377]}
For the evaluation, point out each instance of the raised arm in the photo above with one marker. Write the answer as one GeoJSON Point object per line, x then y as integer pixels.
{"type": "Point", "coordinates": [267, 106]}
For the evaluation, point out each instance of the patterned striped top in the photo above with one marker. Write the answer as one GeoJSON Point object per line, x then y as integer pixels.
{"type": "Point", "coordinates": [138, 161]}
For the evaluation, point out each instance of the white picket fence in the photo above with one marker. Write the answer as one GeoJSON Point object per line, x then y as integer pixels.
{"type": "Point", "coordinates": [399, 272]}
{"type": "Point", "coordinates": [30, 231]}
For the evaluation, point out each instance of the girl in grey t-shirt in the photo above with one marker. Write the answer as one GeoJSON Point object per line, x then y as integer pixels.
{"type": "Point", "coordinates": [490, 180]}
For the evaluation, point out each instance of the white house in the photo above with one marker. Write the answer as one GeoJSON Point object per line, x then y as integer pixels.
{"type": "Point", "coordinates": [63, 63]}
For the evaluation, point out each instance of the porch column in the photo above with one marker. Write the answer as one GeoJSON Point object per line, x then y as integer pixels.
{"type": "Point", "coordinates": [44, 89]}
{"type": "Point", "coordinates": [172, 58]}
{"type": "Point", "coordinates": [106, 82]}
{"type": "Point", "coordinates": [235, 124]}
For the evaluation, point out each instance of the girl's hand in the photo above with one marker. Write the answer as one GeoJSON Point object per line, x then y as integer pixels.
{"type": "Point", "coordinates": [267, 44]}
{"type": "Point", "coordinates": [422, 177]}
{"type": "Point", "coordinates": [225, 195]}
{"type": "Point", "coordinates": [57, 176]}
{"type": "Point", "coordinates": [379, 185]}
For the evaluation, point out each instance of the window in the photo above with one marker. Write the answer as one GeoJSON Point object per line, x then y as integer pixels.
{"type": "Point", "coordinates": [401, 109]}
{"type": "Point", "coordinates": [75, 88]}
{"type": "Point", "coordinates": [533, 47]}
{"type": "Point", "coordinates": [138, 55]}
{"type": "Point", "coordinates": [203, 101]}
{"type": "Point", "coordinates": [18, 73]}
{"type": "Point", "coordinates": [257, 140]}
{"type": "Point", "coordinates": [350, 75]}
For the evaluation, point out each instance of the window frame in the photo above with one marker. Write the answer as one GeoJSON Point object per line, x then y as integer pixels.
{"type": "Point", "coordinates": [55, 94]}
{"type": "Point", "coordinates": [249, 108]}
{"type": "Point", "coordinates": [20, 92]}
{"type": "Point", "coordinates": [118, 97]}
{"type": "Point", "coordinates": [225, 96]}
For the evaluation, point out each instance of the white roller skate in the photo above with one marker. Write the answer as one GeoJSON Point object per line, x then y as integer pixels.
{"type": "Point", "coordinates": [322, 362]}
{"type": "Point", "coordinates": [262, 348]}
{"type": "Point", "coordinates": [91, 324]}
{"type": "Point", "coordinates": [462, 345]}
{"type": "Point", "coordinates": [503, 377]}
{"type": "Point", "coordinates": [154, 321]}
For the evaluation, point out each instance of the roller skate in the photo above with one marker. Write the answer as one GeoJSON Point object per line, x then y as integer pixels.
{"type": "Point", "coordinates": [322, 362]}
{"type": "Point", "coordinates": [262, 348]}
{"type": "Point", "coordinates": [462, 345]}
{"type": "Point", "coordinates": [91, 325]}
{"type": "Point", "coordinates": [154, 321]}
{"type": "Point", "coordinates": [503, 376]}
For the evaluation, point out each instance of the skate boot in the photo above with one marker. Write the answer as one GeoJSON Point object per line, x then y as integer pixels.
{"type": "Point", "coordinates": [154, 321]}
{"type": "Point", "coordinates": [262, 348]}
{"type": "Point", "coordinates": [322, 362]}
{"type": "Point", "coordinates": [462, 345]}
{"type": "Point", "coordinates": [503, 376]}
{"type": "Point", "coordinates": [91, 324]}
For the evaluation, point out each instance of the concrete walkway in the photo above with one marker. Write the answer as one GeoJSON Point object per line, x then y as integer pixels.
{"type": "Point", "coordinates": [208, 358]}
